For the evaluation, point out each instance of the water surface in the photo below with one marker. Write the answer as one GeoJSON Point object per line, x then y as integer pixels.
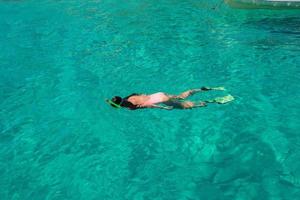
{"type": "Point", "coordinates": [59, 60]}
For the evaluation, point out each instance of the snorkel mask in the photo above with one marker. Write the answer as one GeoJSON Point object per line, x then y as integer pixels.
{"type": "Point", "coordinates": [110, 102]}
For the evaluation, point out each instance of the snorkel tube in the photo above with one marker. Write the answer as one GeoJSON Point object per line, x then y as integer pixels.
{"type": "Point", "coordinates": [113, 104]}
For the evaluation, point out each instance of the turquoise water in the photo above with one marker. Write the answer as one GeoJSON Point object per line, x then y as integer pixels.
{"type": "Point", "coordinates": [60, 59]}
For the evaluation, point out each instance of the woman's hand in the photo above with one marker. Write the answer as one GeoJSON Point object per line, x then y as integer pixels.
{"type": "Point", "coordinates": [202, 104]}
{"type": "Point", "coordinates": [168, 107]}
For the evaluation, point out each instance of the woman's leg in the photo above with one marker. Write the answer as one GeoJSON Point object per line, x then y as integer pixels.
{"type": "Point", "coordinates": [188, 93]}
{"type": "Point", "coordinates": [190, 104]}
{"type": "Point", "coordinates": [218, 100]}
{"type": "Point", "coordinates": [177, 104]}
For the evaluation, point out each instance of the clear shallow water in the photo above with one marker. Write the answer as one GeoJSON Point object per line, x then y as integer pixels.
{"type": "Point", "coordinates": [59, 60]}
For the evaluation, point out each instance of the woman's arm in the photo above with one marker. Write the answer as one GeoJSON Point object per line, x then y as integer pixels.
{"type": "Point", "coordinates": [161, 107]}
{"type": "Point", "coordinates": [155, 106]}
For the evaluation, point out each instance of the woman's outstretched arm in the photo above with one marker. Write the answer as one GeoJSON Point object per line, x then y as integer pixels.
{"type": "Point", "coordinates": [161, 107]}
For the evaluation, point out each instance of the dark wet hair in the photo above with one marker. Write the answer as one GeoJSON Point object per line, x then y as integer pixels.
{"type": "Point", "coordinates": [123, 102]}
{"type": "Point", "coordinates": [117, 100]}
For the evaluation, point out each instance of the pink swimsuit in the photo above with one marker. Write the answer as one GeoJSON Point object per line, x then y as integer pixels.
{"type": "Point", "coordinates": [155, 98]}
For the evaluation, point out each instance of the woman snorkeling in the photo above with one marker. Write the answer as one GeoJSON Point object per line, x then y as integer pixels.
{"type": "Point", "coordinates": [139, 101]}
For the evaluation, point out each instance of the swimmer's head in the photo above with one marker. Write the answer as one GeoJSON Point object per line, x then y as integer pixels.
{"type": "Point", "coordinates": [115, 102]}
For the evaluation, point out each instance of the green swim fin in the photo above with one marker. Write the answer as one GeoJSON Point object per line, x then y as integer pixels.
{"type": "Point", "coordinates": [219, 88]}
{"type": "Point", "coordinates": [225, 99]}
{"type": "Point", "coordinates": [221, 100]}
